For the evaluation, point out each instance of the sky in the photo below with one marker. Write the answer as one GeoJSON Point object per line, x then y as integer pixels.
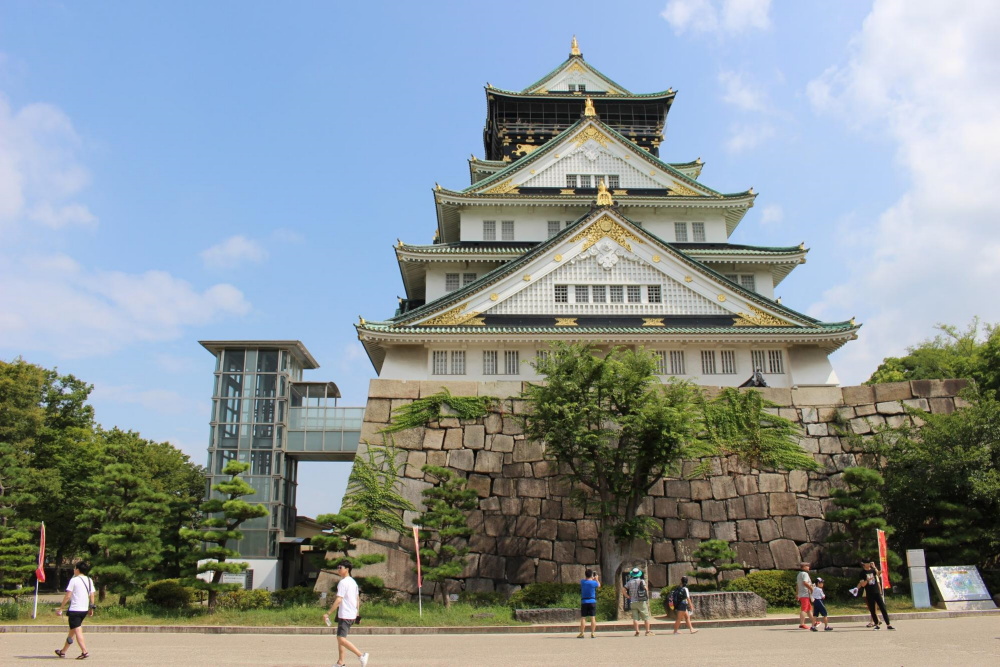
{"type": "Point", "coordinates": [182, 171]}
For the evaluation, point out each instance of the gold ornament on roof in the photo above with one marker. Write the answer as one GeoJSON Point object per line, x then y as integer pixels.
{"type": "Point", "coordinates": [652, 321]}
{"type": "Point", "coordinates": [494, 296]}
{"type": "Point", "coordinates": [565, 321]}
{"type": "Point", "coordinates": [682, 191]}
{"type": "Point", "coordinates": [758, 318]}
{"type": "Point", "coordinates": [526, 149]}
{"type": "Point", "coordinates": [574, 49]}
{"type": "Point", "coordinates": [603, 196]}
{"type": "Point", "coordinates": [721, 298]}
{"type": "Point", "coordinates": [591, 133]}
{"type": "Point", "coordinates": [507, 187]}
{"type": "Point", "coordinates": [605, 226]}
{"type": "Point", "coordinates": [454, 317]}
{"type": "Point", "coordinates": [558, 258]}
{"type": "Point", "coordinates": [575, 67]}
{"type": "Point", "coordinates": [588, 108]}
{"type": "Point", "coordinates": [656, 259]}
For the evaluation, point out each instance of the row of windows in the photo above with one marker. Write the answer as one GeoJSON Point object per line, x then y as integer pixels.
{"type": "Point", "coordinates": [451, 280]}
{"type": "Point", "coordinates": [697, 232]}
{"type": "Point", "coordinates": [668, 362]}
{"type": "Point", "coordinates": [608, 293]}
{"type": "Point", "coordinates": [584, 181]}
{"type": "Point", "coordinates": [574, 87]}
{"type": "Point", "coordinates": [744, 280]}
{"type": "Point", "coordinates": [490, 230]}
{"type": "Point", "coordinates": [452, 362]}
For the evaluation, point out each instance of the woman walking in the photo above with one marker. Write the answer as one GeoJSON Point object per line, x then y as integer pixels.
{"type": "Point", "coordinates": [681, 597]}
{"type": "Point", "coordinates": [872, 585]}
{"type": "Point", "coordinates": [78, 603]}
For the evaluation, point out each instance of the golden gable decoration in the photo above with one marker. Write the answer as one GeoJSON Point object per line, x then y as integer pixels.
{"type": "Point", "coordinates": [605, 226]}
{"type": "Point", "coordinates": [758, 318]}
{"type": "Point", "coordinates": [454, 317]}
{"type": "Point", "coordinates": [507, 187]}
{"type": "Point", "coordinates": [592, 133]}
{"type": "Point", "coordinates": [681, 191]}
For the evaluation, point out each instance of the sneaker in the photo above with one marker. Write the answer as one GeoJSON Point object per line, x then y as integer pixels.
{"type": "Point", "coordinates": [804, 627]}
{"type": "Point", "coordinates": [580, 636]}
{"type": "Point", "coordinates": [636, 633]}
{"type": "Point", "coordinates": [827, 629]}
{"type": "Point", "coordinates": [889, 627]}
{"type": "Point", "coordinates": [813, 628]}
{"type": "Point", "coordinates": [364, 659]}
{"type": "Point", "coordinates": [877, 627]}
{"type": "Point", "coordinates": [593, 636]}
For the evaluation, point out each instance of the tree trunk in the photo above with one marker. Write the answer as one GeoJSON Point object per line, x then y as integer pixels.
{"type": "Point", "coordinates": [121, 600]}
{"type": "Point", "coordinates": [612, 555]}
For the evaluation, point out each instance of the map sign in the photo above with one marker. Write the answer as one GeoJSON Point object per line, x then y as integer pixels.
{"type": "Point", "coordinates": [957, 583]}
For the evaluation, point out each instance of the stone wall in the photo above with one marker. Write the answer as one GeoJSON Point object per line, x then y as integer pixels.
{"type": "Point", "coordinates": [526, 529]}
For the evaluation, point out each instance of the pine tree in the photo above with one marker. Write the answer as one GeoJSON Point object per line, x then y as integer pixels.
{"type": "Point", "coordinates": [221, 526]}
{"type": "Point", "coordinates": [714, 555]}
{"type": "Point", "coordinates": [861, 513]}
{"type": "Point", "coordinates": [444, 526]}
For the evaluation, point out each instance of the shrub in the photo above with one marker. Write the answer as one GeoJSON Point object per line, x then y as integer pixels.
{"type": "Point", "coordinates": [542, 594]}
{"type": "Point", "coordinates": [482, 599]}
{"type": "Point", "coordinates": [777, 587]}
{"type": "Point", "coordinates": [169, 594]}
{"type": "Point", "coordinates": [242, 600]}
{"type": "Point", "coordinates": [297, 595]}
{"type": "Point", "coordinates": [373, 591]}
{"type": "Point", "coordinates": [606, 599]}
{"type": "Point", "coordinates": [10, 611]}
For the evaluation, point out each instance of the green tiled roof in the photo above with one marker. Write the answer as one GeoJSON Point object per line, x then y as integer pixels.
{"type": "Point", "coordinates": [462, 249]}
{"type": "Point", "coordinates": [581, 96]}
{"type": "Point", "coordinates": [390, 326]}
{"type": "Point", "coordinates": [587, 65]}
{"type": "Point", "coordinates": [752, 250]}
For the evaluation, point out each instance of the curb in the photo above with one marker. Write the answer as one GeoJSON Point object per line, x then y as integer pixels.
{"type": "Point", "coordinates": [471, 630]}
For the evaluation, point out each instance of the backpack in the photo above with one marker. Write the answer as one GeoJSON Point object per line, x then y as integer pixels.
{"type": "Point", "coordinates": [676, 596]}
{"type": "Point", "coordinates": [641, 591]}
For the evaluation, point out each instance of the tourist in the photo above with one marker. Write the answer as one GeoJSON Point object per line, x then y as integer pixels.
{"type": "Point", "coordinates": [872, 584]}
{"type": "Point", "coordinates": [636, 589]}
{"type": "Point", "coordinates": [819, 607]}
{"type": "Point", "coordinates": [78, 603]}
{"type": "Point", "coordinates": [681, 599]}
{"type": "Point", "coordinates": [588, 602]}
{"type": "Point", "coordinates": [347, 604]}
{"type": "Point", "coordinates": [803, 591]}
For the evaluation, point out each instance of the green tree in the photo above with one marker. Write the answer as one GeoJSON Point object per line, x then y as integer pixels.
{"type": "Point", "coordinates": [738, 424]}
{"type": "Point", "coordinates": [373, 489]}
{"type": "Point", "coordinates": [712, 558]}
{"type": "Point", "coordinates": [224, 517]}
{"type": "Point", "coordinates": [860, 511]}
{"type": "Point", "coordinates": [614, 431]}
{"type": "Point", "coordinates": [444, 527]}
{"type": "Point", "coordinates": [973, 354]}
{"type": "Point", "coordinates": [171, 472]}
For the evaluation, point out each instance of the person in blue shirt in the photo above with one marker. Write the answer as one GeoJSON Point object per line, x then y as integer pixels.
{"type": "Point", "coordinates": [588, 602]}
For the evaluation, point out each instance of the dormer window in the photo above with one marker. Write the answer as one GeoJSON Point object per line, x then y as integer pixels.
{"type": "Point", "coordinates": [577, 88]}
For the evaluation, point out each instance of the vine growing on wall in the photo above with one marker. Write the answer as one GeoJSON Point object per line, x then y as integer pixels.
{"type": "Point", "coordinates": [427, 409]}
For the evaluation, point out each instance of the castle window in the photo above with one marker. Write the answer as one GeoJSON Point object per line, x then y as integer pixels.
{"type": "Point", "coordinates": [670, 362]}
{"type": "Point", "coordinates": [698, 232]}
{"type": "Point", "coordinates": [768, 361]}
{"type": "Point", "coordinates": [600, 293]}
{"type": "Point", "coordinates": [748, 281]}
{"type": "Point", "coordinates": [635, 294]}
{"type": "Point", "coordinates": [570, 180]}
{"type": "Point", "coordinates": [584, 180]}
{"type": "Point", "coordinates": [612, 181]}
{"type": "Point", "coordinates": [450, 282]}
{"type": "Point", "coordinates": [511, 362]}
{"type": "Point", "coordinates": [448, 362]}
{"type": "Point", "coordinates": [582, 293]}
{"type": "Point", "coordinates": [468, 278]}
{"type": "Point", "coordinates": [617, 293]}
{"type": "Point", "coordinates": [541, 356]}
{"type": "Point", "coordinates": [562, 294]}
{"type": "Point", "coordinates": [554, 227]}
{"type": "Point", "coordinates": [728, 358]}
{"type": "Point", "coordinates": [680, 232]}
{"type": "Point", "coordinates": [654, 294]}
{"type": "Point", "coordinates": [507, 230]}
{"type": "Point", "coordinates": [489, 230]}
{"type": "Point", "coordinates": [489, 362]}
{"type": "Point", "coordinates": [708, 362]}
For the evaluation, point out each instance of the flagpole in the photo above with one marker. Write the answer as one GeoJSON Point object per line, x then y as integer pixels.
{"type": "Point", "coordinates": [420, 579]}
{"type": "Point", "coordinates": [40, 570]}
{"type": "Point", "coordinates": [34, 612]}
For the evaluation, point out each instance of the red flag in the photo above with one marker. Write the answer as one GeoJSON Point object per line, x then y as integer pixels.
{"type": "Point", "coordinates": [416, 546]}
{"type": "Point", "coordinates": [883, 557]}
{"type": "Point", "coordinates": [40, 571]}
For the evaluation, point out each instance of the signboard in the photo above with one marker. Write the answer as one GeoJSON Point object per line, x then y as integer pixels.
{"type": "Point", "coordinates": [961, 587]}
{"type": "Point", "coordinates": [244, 579]}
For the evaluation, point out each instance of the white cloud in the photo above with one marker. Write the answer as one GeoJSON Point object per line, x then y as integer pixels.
{"type": "Point", "coordinates": [40, 173]}
{"type": "Point", "coordinates": [746, 136]}
{"type": "Point", "coordinates": [287, 235]}
{"type": "Point", "coordinates": [232, 252]}
{"type": "Point", "coordinates": [772, 214]}
{"type": "Point", "coordinates": [53, 303]}
{"type": "Point", "coordinates": [926, 77]}
{"type": "Point", "coordinates": [161, 401]}
{"type": "Point", "coordinates": [729, 16]}
{"type": "Point", "coordinates": [741, 92]}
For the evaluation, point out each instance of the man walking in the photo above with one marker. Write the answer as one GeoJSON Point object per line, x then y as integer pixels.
{"type": "Point", "coordinates": [347, 603]}
{"type": "Point", "coordinates": [637, 591]}
{"type": "Point", "coordinates": [803, 591]}
{"type": "Point", "coordinates": [78, 603]}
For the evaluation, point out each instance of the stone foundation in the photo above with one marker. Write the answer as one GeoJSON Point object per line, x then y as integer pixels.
{"type": "Point", "coordinates": [527, 530]}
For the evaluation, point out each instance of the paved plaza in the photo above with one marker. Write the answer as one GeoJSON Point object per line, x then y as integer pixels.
{"type": "Point", "coordinates": [954, 641]}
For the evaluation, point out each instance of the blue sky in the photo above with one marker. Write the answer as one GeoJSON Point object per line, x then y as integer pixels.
{"type": "Point", "coordinates": [181, 171]}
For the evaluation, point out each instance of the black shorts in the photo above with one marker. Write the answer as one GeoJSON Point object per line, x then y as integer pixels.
{"type": "Point", "coordinates": [344, 626]}
{"type": "Point", "coordinates": [819, 609]}
{"type": "Point", "coordinates": [588, 609]}
{"type": "Point", "coordinates": [76, 618]}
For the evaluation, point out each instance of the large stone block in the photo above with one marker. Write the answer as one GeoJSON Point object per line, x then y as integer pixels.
{"type": "Point", "coordinates": [542, 469]}
{"type": "Point", "coordinates": [531, 507]}
{"type": "Point", "coordinates": [830, 445]}
{"type": "Point", "coordinates": [532, 488]}
{"type": "Point", "coordinates": [587, 529]}
{"type": "Point", "coordinates": [665, 508]}
{"type": "Point", "coordinates": [525, 526]}
{"type": "Point", "coordinates": [548, 529]}
{"type": "Point", "coordinates": [723, 487]}
{"type": "Point", "coordinates": [892, 391]}
{"type": "Point", "coordinates": [495, 525]}
{"type": "Point", "coordinates": [663, 552]}
{"type": "Point", "coordinates": [713, 510]}
{"type": "Point", "coordinates": [677, 489]}
{"type": "Point", "coordinates": [803, 396]}
{"type": "Point", "coordinates": [689, 510]}
{"type": "Point", "coordinates": [918, 404]}
{"type": "Point", "coordinates": [764, 557]}
{"type": "Point", "coordinates": [816, 430]}
{"type": "Point", "coordinates": [499, 388]}
{"type": "Point", "coordinates": [942, 406]}
{"type": "Point", "coordinates": [657, 576]}
{"type": "Point", "coordinates": [768, 529]}
{"type": "Point", "coordinates": [889, 408]}
{"type": "Point", "coordinates": [746, 555]}
{"type": "Point", "coordinates": [747, 531]}
{"type": "Point", "coordinates": [674, 529]}
{"type": "Point", "coordinates": [686, 548]}
{"type": "Point", "coordinates": [735, 508]}
{"type": "Point", "coordinates": [566, 530]}
{"type": "Point", "coordinates": [742, 604]}
{"type": "Point", "coordinates": [412, 490]}
{"type": "Point", "coordinates": [779, 395]}
{"type": "Point", "coordinates": [480, 484]}
{"type": "Point", "coordinates": [781, 504]}
{"type": "Point", "coordinates": [571, 574]}
{"type": "Point", "coordinates": [809, 507]}
{"type": "Point", "coordinates": [724, 530]}
{"type": "Point", "coordinates": [701, 489]}
{"type": "Point", "coordinates": [512, 426]}
{"type": "Point", "coordinates": [462, 459]}
{"type": "Point", "coordinates": [511, 546]}
{"type": "Point", "coordinates": [528, 450]}
{"type": "Point", "coordinates": [493, 423]}
{"type": "Point", "coordinates": [677, 570]}
{"type": "Point", "coordinates": [798, 481]}
{"type": "Point", "coordinates": [516, 471]}
{"type": "Point", "coordinates": [864, 410]}
{"type": "Point", "coordinates": [475, 437]}
{"type": "Point", "coordinates": [564, 551]}
{"type": "Point", "coordinates": [520, 570]}
{"type": "Point", "coordinates": [551, 509]}
{"type": "Point", "coordinates": [586, 555]}
{"type": "Point", "coordinates": [456, 387]}
{"type": "Point", "coordinates": [818, 530]}
{"type": "Point", "coordinates": [490, 504]}
{"type": "Point", "coordinates": [858, 395]}
{"type": "Point", "coordinates": [453, 438]}
{"type": "Point", "coordinates": [539, 549]}
{"type": "Point", "coordinates": [503, 487]}
{"type": "Point", "coordinates": [510, 506]}
{"type": "Point", "coordinates": [771, 482]}
{"type": "Point", "coordinates": [756, 506]}
{"type": "Point", "coordinates": [746, 485]}
{"type": "Point", "coordinates": [819, 488]}
{"type": "Point", "coordinates": [794, 528]}
{"type": "Point", "coordinates": [701, 530]}
{"type": "Point", "coordinates": [394, 389]}
{"type": "Point", "coordinates": [489, 462]}
{"type": "Point", "coordinates": [785, 554]}
{"type": "Point", "coordinates": [378, 410]}
{"type": "Point", "coordinates": [547, 571]}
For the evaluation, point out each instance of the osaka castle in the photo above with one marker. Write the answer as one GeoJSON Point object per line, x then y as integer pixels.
{"type": "Point", "coordinates": [573, 229]}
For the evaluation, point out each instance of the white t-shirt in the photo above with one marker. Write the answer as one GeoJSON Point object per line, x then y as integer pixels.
{"type": "Point", "coordinates": [818, 593]}
{"type": "Point", "coordinates": [347, 591]}
{"type": "Point", "coordinates": [80, 588]}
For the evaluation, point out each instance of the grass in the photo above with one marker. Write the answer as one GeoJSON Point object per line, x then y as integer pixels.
{"type": "Point", "coordinates": [894, 604]}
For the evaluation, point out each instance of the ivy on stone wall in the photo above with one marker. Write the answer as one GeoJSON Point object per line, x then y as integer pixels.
{"type": "Point", "coordinates": [424, 410]}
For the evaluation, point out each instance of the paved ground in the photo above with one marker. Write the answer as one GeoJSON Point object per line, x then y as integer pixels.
{"type": "Point", "coordinates": [938, 642]}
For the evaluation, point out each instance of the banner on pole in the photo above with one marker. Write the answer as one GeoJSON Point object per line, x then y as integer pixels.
{"type": "Point", "coordinates": [883, 558]}
{"type": "Point", "coordinates": [40, 570]}
{"type": "Point", "coordinates": [416, 546]}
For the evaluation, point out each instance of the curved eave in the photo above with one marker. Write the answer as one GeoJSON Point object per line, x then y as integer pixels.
{"type": "Point", "coordinates": [780, 264]}
{"type": "Point", "coordinates": [663, 95]}
{"type": "Point", "coordinates": [583, 63]}
{"type": "Point", "coordinates": [690, 169]}
{"type": "Point", "coordinates": [482, 169]}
